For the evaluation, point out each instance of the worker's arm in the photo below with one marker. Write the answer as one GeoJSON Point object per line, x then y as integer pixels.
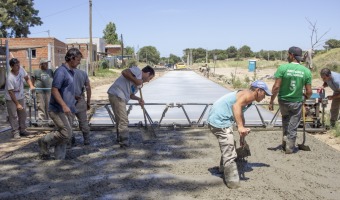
{"type": "Point", "coordinates": [241, 102]}
{"type": "Point", "coordinates": [60, 101]}
{"type": "Point", "coordinates": [88, 94]}
{"type": "Point", "coordinates": [140, 100]}
{"type": "Point", "coordinates": [308, 93]}
{"type": "Point", "coordinates": [29, 82]}
{"type": "Point", "coordinates": [275, 91]}
{"type": "Point", "coordinates": [130, 76]}
{"type": "Point", "coordinates": [14, 99]}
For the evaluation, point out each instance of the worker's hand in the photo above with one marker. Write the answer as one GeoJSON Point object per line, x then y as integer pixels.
{"type": "Point", "coordinates": [66, 110]}
{"type": "Point", "coordinates": [88, 106]}
{"type": "Point", "coordinates": [243, 131]}
{"type": "Point", "coordinates": [141, 102]}
{"type": "Point", "coordinates": [330, 97]}
{"type": "Point", "coordinates": [271, 106]}
{"type": "Point", "coordinates": [32, 88]}
{"type": "Point", "coordinates": [139, 82]}
{"type": "Point", "coordinates": [19, 107]}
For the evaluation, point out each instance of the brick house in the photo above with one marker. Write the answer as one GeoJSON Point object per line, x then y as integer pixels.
{"type": "Point", "coordinates": [113, 49]}
{"type": "Point", "coordinates": [49, 47]}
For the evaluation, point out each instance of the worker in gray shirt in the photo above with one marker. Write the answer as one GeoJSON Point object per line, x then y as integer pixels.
{"type": "Point", "coordinates": [82, 84]}
{"type": "Point", "coordinates": [42, 79]}
{"type": "Point", "coordinates": [332, 80]}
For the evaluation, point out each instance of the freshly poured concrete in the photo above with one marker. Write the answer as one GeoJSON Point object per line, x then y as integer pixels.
{"type": "Point", "coordinates": [179, 87]}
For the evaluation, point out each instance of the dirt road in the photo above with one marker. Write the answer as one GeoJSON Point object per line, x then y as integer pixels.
{"type": "Point", "coordinates": [177, 164]}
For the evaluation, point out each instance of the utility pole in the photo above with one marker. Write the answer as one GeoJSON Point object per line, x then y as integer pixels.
{"type": "Point", "coordinates": [90, 45]}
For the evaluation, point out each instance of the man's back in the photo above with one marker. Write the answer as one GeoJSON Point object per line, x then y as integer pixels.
{"type": "Point", "coordinates": [294, 77]}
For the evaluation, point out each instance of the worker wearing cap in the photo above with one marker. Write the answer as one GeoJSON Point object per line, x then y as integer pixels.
{"type": "Point", "coordinates": [223, 113]}
{"type": "Point", "coordinates": [42, 78]}
{"type": "Point", "coordinates": [290, 80]}
{"type": "Point", "coordinates": [332, 80]}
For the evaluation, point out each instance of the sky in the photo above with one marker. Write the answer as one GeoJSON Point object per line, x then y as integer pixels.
{"type": "Point", "coordinates": [174, 25]}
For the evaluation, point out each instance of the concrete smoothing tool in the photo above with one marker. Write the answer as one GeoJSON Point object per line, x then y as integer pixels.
{"type": "Point", "coordinates": [302, 146]}
{"type": "Point", "coordinates": [243, 151]}
{"type": "Point", "coordinates": [150, 130]}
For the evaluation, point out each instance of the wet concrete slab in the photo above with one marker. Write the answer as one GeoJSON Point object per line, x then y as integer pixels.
{"type": "Point", "coordinates": [179, 88]}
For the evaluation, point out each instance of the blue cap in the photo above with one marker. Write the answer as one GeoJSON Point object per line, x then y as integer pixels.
{"type": "Point", "coordinates": [262, 85]}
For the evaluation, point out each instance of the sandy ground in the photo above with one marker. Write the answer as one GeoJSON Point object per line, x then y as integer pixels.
{"type": "Point", "coordinates": [177, 164]}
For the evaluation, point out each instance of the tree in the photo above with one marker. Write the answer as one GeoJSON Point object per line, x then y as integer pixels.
{"type": "Point", "coordinates": [149, 54]}
{"type": "Point", "coordinates": [173, 59]}
{"type": "Point", "coordinates": [110, 35]}
{"type": "Point", "coordinates": [232, 52]}
{"type": "Point", "coordinates": [333, 43]}
{"type": "Point", "coordinates": [245, 52]}
{"type": "Point", "coordinates": [16, 17]}
{"type": "Point", "coordinates": [129, 51]}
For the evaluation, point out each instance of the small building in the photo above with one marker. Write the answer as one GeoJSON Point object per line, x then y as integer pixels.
{"type": "Point", "coordinates": [98, 47]}
{"type": "Point", "coordinates": [49, 47]}
{"type": "Point", "coordinates": [113, 49]}
{"type": "Point", "coordinates": [84, 49]}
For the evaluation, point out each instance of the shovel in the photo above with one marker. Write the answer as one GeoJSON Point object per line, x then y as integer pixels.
{"type": "Point", "coordinates": [244, 150]}
{"type": "Point", "coordinates": [302, 146]}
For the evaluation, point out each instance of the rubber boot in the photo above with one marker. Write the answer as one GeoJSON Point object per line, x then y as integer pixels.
{"type": "Point", "coordinates": [284, 139]}
{"type": "Point", "coordinates": [221, 169]}
{"type": "Point", "coordinates": [60, 151]}
{"type": "Point", "coordinates": [44, 143]}
{"type": "Point", "coordinates": [231, 176]}
{"type": "Point", "coordinates": [124, 139]}
{"type": "Point", "coordinates": [290, 146]}
{"type": "Point", "coordinates": [86, 137]}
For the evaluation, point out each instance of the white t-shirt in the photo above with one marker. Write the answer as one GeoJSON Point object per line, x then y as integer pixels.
{"type": "Point", "coordinates": [16, 83]}
{"type": "Point", "coordinates": [123, 88]}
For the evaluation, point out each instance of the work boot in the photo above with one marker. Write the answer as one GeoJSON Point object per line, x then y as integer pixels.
{"type": "Point", "coordinates": [86, 137]}
{"type": "Point", "coordinates": [24, 134]}
{"type": "Point", "coordinates": [231, 176]}
{"type": "Point", "coordinates": [71, 143]}
{"type": "Point", "coordinates": [16, 135]}
{"type": "Point", "coordinates": [290, 146]}
{"type": "Point", "coordinates": [44, 143]}
{"type": "Point", "coordinates": [60, 151]}
{"type": "Point", "coordinates": [123, 139]}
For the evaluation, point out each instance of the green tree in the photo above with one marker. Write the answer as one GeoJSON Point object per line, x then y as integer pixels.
{"type": "Point", "coordinates": [173, 59]}
{"type": "Point", "coordinates": [149, 54]}
{"type": "Point", "coordinates": [245, 52]}
{"type": "Point", "coordinates": [232, 52]}
{"type": "Point", "coordinates": [333, 43]}
{"type": "Point", "coordinates": [16, 17]}
{"type": "Point", "coordinates": [129, 51]}
{"type": "Point", "coordinates": [110, 35]}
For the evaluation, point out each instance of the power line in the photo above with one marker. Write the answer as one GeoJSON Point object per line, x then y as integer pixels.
{"type": "Point", "coordinates": [56, 13]}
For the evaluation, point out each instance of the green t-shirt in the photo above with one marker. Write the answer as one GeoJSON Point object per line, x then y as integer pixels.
{"type": "Point", "coordinates": [43, 78]}
{"type": "Point", "coordinates": [293, 79]}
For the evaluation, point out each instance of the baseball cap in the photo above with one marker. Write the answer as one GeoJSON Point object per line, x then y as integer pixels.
{"type": "Point", "coordinates": [297, 52]}
{"type": "Point", "coordinates": [44, 60]}
{"type": "Point", "coordinates": [262, 85]}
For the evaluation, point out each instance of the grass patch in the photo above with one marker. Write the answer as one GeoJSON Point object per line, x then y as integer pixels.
{"type": "Point", "coordinates": [105, 73]}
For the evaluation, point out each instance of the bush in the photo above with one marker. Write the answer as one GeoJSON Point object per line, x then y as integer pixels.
{"type": "Point", "coordinates": [104, 64]}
